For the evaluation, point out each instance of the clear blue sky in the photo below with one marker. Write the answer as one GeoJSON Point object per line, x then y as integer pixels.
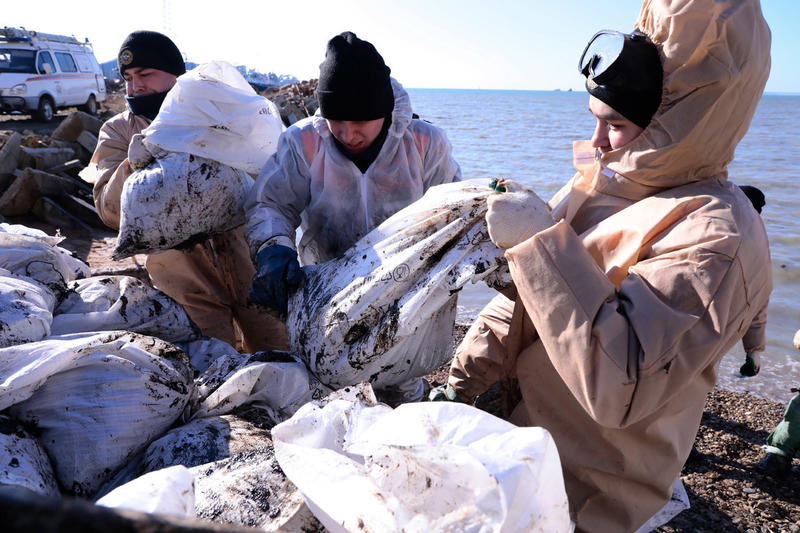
{"type": "Point", "coordinates": [531, 44]}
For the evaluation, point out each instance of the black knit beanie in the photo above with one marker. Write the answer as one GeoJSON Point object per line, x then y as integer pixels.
{"type": "Point", "coordinates": [354, 81]}
{"type": "Point", "coordinates": [150, 49]}
{"type": "Point", "coordinates": [632, 83]}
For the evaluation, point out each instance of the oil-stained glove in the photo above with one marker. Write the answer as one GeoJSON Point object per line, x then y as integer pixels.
{"type": "Point", "coordinates": [277, 271]}
{"type": "Point", "coordinates": [138, 155]}
{"type": "Point", "coordinates": [445, 393]}
{"type": "Point", "coordinates": [752, 364]}
{"type": "Point", "coordinates": [516, 213]}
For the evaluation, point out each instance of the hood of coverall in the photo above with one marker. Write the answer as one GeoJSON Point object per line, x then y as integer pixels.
{"type": "Point", "coordinates": [716, 60]}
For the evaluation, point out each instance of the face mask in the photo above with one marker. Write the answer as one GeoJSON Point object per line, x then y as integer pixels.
{"type": "Point", "coordinates": [147, 105]}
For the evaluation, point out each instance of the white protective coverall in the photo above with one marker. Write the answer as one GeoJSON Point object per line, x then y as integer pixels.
{"type": "Point", "coordinates": [656, 266]}
{"type": "Point", "coordinates": [211, 280]}
{"type": "Point", "coordinates": [310, 184]}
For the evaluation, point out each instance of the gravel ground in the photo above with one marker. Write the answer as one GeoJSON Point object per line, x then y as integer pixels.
{"type": "Point", "coordinates": [726, 491]}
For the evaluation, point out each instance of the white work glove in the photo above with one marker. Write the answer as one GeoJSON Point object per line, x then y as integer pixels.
{"type": "Point", "coordinates": [138, 156]}
{"type": "Point", "coordinates": [515, 215]}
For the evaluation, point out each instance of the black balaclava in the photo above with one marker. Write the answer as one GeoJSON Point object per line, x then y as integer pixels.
{"type": "Point", "coordinates": [149, 49]}
{"type": "Point", "coordinates": [354, 84]}
{"type": "Point", "coordinates": [632, 83]}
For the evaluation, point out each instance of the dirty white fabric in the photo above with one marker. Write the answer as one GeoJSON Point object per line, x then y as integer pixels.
{"type": "Point", "coordinates": [167, 492]}
{"type": "Point", "coordinates": [78, 268]}
{"type": "Point", "coordinates": [118, 388]}
{"type": "Point", "coordinates": [26, 309]}
{"type": "Point", "coordinates": [203, 352]}
{"type": "Point", "coordinates": [212, 112]}
{"type": "Point", "coordinates": [383, 312]}
{"type": "Point", "coordinates": [177, 201]}
{"type": "Point", "coordinates": [40, 259]}
{"type": "Point", "coordinates": [24, 463]}
{"type": "Point", "coordinates": [433, 466]}
{"type": "Point", "coordinates": [310, 184]}
{"type": "Point", "coordinates": [108, 303]}
{"type": "Point", "coordinates": [277, 382]}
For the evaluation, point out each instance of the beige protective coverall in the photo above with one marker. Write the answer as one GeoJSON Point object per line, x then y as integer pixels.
{"type": "Point", "coordinates": [211, 280]}
{"type": "Point", "coordinates": [656, 266]}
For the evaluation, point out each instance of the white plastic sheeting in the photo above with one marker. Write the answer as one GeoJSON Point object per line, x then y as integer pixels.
{"type": "Point", "coordinates": [26, 309]}
{"type": "Point", "coordinates": [433, 466]}
{"type": "Point", "coordinates": [97, 399]}
{"type": "Point", "coordinates": [108, 303]}
{"type": "Point", "coordinates": [179, 200]}
{"type": "Point", "coordinates": [212, 112]}
{"type": "Point", "coordinates": [384, 311]}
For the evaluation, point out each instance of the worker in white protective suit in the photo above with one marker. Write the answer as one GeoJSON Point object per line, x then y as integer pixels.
{"type": "Point", "coordinates": [642, 272]}
{"type": "Point", "coordinates": [342, 172]}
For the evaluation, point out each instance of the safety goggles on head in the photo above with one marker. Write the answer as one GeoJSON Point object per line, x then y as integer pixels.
{"type": "Point", "coordinates": [603, 51]}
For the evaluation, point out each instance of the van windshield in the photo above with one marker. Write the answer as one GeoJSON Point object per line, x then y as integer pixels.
{"type": "Point", "coordinates": [21, 61]}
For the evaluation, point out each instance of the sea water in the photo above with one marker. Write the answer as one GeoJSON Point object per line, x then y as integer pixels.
{"type": "Point", "coordinates": [527, 136]}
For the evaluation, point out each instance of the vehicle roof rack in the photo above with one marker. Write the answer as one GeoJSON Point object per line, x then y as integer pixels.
{"type": "Point", "coordinates": [21, 35]}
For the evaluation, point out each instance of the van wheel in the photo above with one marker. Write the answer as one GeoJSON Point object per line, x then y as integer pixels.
{"type": "Point", "coordinates": [90, 106]}
{"type": "Point", "coordinates": [46, 110]}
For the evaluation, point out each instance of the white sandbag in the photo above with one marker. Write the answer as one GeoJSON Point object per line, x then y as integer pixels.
{"type": "Point", "coordinates": [23, 462]}
{"type": "Point", "coordinates": [26, 310]}
{"type": "Point", "coordinates": [79, 269]}
{"type": "Point", "coordinates": [276, 382]}
{"type": "Point", "coordinates": [433, 466]}
{"type": "Point", "coordinates": [203, 352]}
{"type": "Point", "coordinates": [384, 311]}
{"type": "Point", "coordinates": [177, 201]}
{"type": "Point", "coordinates": [213, 112]}
{"type": "Point", "coordinates": [97, 399]}
{"type": "Point", "coordinates": [38, 259]}
{"type": "Point", "coordinates": [167, 492]}
{"type": "Point", "coordinates": [109, 303]}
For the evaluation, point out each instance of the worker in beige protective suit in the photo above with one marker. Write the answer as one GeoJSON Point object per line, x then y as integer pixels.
{"type": "Point", "coordinates": [211, 279]}
{"type": "Point", "coordinates": [641, 273]}
{"type": "Point", "coordinates": [339, 174]}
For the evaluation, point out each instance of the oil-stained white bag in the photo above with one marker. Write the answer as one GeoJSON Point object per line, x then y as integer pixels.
{"type": "Point", "coordinates": [177, 201]}
{"type": "Point", "coordinates": [384, 311]}
{"type": "Point", "coordinates": [108, 303]}
{"type": "Point", "coordinates": [97, 399]}
{"type": "Point", "coordinates": [26, 309]}
{"type": "Point", "coordinates": [212, 112]}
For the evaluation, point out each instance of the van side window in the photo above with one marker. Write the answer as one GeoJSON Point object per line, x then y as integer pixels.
{"type": "Point", "coordinates": [66, 62]}
{"type": "Point", "coordinates": [83, 62]}
{"type": "Point", "coordinates": [45, 63]}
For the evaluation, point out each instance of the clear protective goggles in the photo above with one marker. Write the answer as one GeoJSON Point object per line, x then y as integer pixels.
{"type": "Point", "coordinates": [603, 50]}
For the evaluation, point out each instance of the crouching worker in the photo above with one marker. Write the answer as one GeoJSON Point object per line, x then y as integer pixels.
{"type": "Point", "coordinates": [650, 266]}
{"type": "Point", "coordinates": [342, 172]}
{"type": "Point", "coordinates": [211, 279]}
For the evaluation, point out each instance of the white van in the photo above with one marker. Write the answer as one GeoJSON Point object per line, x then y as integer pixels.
{"type": "Point", "coordinates": [42, 72]}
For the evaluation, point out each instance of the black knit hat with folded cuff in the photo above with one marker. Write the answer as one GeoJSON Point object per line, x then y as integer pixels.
{"type": "Point", "coordinates": [354, 81]}
{"type": "Point", "coordinates": [150, 49]}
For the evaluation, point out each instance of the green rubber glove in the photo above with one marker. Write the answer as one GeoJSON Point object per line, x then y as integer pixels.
{"type": "Point", "coordinates": [445, 393]}
{"type": "Point", "coordinates": [752, 364]}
